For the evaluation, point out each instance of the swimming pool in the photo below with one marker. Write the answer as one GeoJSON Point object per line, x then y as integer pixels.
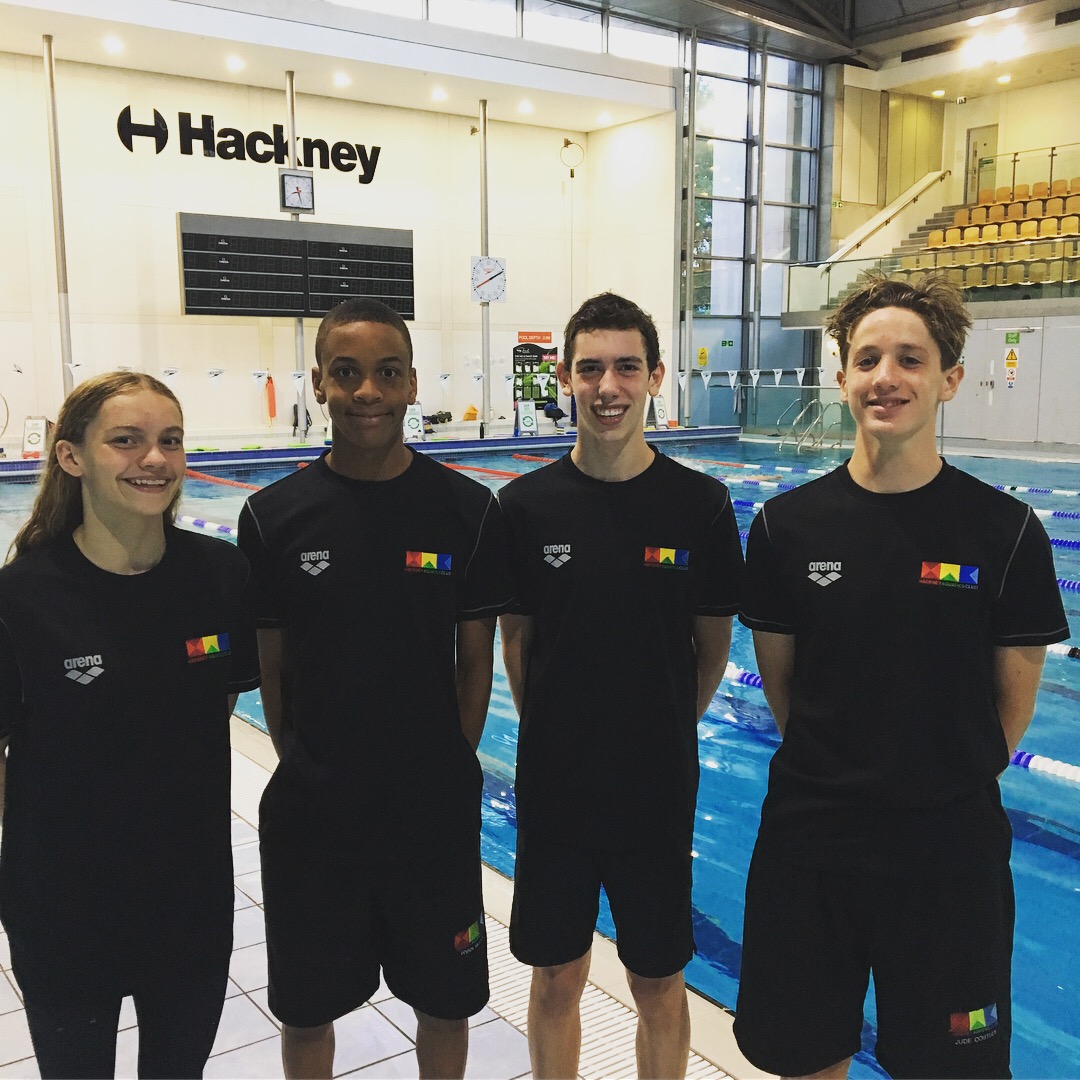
{"type": "Point", "coordinates": [737, 738]}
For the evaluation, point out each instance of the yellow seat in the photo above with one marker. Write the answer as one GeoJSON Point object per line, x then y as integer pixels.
{"type": "Point", "coordinates": [1029, 229]}
{"type": "Point", "coordinates": [1009, 230]}
{"type": "Point", "coordinates": [908, 262]}
{"type": "Point", "coordinates": [1040, 190]}
{"type": "Point", "coordinates": [962, 217]}
{"type": "Point", "coordinates": [978, 215]}
{"type": "Point", "coordinates": [990, 233]}
{"type": "Point", "coordinates": [1074, 186]}
{"type": "Point", "coordinates": [925, 261]}
{"type": "Point", "coordinates": [1037, 272]}
{"type": "Point", "coordinates": [1003, 195]}
{"type": "Point", "coordinates": [973, 277]}
{"type": "Point", "coordinates": [996, 212]}
{"type": "Point", "coordinates": [1059, 187]}
{"type": "Point", "coordinates": [953, 236]}
{"type": "Point", "coordinates": [1072, 272]}
{"type": "Point", "coordinates": [1015, 211]}
{"type": "Point", "coordinates": [956, 276]}
{"type": "Point", "coordinates": [936, 238]}
{"type": "Point", "coordinates": [1048, 226]}
{"type": "Point", "coordinates": [1033, 208]}
{"type": "Point", "coordinates": [1070, 225]}
{"type": "Point", "coordinates": [946, 257]}
{"type": "Point", "coordinates": [994, 275]}
{"type": "Point", "coordinates": [1055, 271]}
{"type": "Point", "coordinates": [986, 196]}
{"type": "Point", "coordinates": [1054, 207]}
{"type": "Point", "coordinates": [1015, 274]}
{"type": "Point", "coordinates": [1072, 204]}
{"type": "Point", "coordinates": [972, 234]}
{"type": "Point", "coordinates": [1021, 191]}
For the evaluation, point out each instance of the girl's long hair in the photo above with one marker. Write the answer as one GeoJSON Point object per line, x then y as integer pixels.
{"type": "Point", "coordinates": [58, 508]}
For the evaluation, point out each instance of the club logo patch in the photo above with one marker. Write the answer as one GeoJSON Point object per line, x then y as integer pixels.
{"type": "Point", "coordinates": [470, 939]}
{"type": "Point", "coordinates": [824, 573]}
{"type": "Point", "coordinates": [84, 669]}
{"type": "Point", "coordinates": [428, 562]}
{"type": "Point", "coordinates": [202, 648]}
{"type": "Point", "coordinates": [955, 575]}
{"type": "Point", "coordinates": [314, 562]}
{"type": "Point", "coordinates": [678, 558]}
{"type": "Point", "coordinates": [556, 554]}
{"type": "Point", "coordinates": [973, 1027]}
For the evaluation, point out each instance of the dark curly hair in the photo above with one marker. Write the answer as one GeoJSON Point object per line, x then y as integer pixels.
{"type": "Point", "coordinates": [608, 311]}
{"type": "Point", "coordinates": [360, 309]}
{"type": "Point", "coordinates": [935, 299]}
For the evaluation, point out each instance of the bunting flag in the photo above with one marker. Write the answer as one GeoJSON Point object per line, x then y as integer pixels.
{"type": "Point", "coordinates": [508, 378]}
{"type": "Point", "coordinates": [542, 379]}
{"type": "Point", "coordinates": [800, 374]}
{"type": "Point", "coordinates": [755, 374]}
{"type": "Point", "coordinates": [778, 374]}
{"type": "Point", "coordinates": [684, 377]}
{"type": "Point", "coordinates": [732, 379]}
{"type": "Point", "coordinates": [444, 377]}
{"type": "Point", "coordinates": [259, 376]}
{"type": "Point", "coordinates": [706, 377]}
{"type": "Point", "coordinates": [478, 377]}
{"type": "Point", "coordinates": [215, 372]}
{"type": "Point", "coordinates": [298, 380]}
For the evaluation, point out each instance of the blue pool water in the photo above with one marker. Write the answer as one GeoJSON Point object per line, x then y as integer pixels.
{"type": "Point", "coordinates": [737, 738]}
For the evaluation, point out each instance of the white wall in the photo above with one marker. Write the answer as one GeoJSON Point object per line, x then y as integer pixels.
{"type": "Point", "coordinates": [124, 278]}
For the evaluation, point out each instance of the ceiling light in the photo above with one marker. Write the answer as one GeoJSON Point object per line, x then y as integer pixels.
{"type": "Point", "coordinates": [439, 94]}
{"type": "Point", "coordinates": [113, 44]}
{"type": "Point", "coordinates": [997, 47]}
{"type": "Point", "coordinates": [1008, 13]}
{"type": "Point", "coordinates": [604, 117]}
{"type": "Point", "coordinates": [1003, 79]}
{"type": "Point", "coordinates": [341, 80]}
{"type": "Point", "coordinates": [525, 107]}
{"type": "Point", "coordinates": [937, 93]}
{"type": "Point", "coordinates": [235, 63]}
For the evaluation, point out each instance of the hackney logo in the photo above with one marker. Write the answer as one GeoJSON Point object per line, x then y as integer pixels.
{"type": "Point", "coordinates": [314, 562]}
{"type": "Point", "coordinates": [232, 144]}
{"type": "Point", "coordinates": [556, 554]}
{"type": "Point", "coordinates": [824, 573]}
{"type": "Point", "coordinates": [84, 669]}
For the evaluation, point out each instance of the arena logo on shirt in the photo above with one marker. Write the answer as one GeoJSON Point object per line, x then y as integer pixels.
{"type": "Point", "coordinates": [314, 562]}
{"type": "Point", "coordinates": [556, 554]}
{"type": "Point", "coordinates": [977, 1026]}
{"type": "Point", "coordinates": [84, 669]}
{"type": "Point", "coordinates": [203, 648]}
{"type": "Point", "coordinates": [428, 562]}
{"type": "Point", "coordinates": [470, 939]}
{"type": "Point", "coordinates": [677, 558]}
{"type": "Point", "coordinates": [954, 574]}
{"type": "Point", "coordinates": [824, 573]}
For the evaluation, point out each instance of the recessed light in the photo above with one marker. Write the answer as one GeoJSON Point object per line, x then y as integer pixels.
{"type": "Point", "coordinates": [604, 117]}
{"type": "Point", "coordinates": [1003, 79]}
{"type": "Point", "coordinates": [937, 93]}
{"type": "Point", "coordinates": [235, 63]}
{"type": "Point", "coordinates": [341, 80]}
{"type": "Point", "coordinates": [112, 44]}
{"type": "Point", "coordinates": [525, 107]}
{"type": "Point", "coordinates": [439, 94]}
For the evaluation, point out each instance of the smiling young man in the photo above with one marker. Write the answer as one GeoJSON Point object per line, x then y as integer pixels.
{"type": "Point", "coordinates": [629, 570]}
{"type": "Point", "coordinates": [901, 611]}
{"type": "Point", "coordinates": [380, 574]}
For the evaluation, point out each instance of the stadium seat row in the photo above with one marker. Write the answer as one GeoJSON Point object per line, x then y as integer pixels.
{"type": "Point", "coordinates": [1016, 211]}
{"type": "Point", "coordinates": [991, 233]}
{"type": "Point", "coordinates": [1018, 273]}
{"type": "Point", "coordinates": [1041, 190]}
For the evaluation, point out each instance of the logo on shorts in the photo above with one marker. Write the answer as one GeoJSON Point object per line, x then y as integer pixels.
{"type": "Point", "coordinates": [556, 554]}
{"type": "Point", "coordinates": [954, 574]}
{"type": "Point", "coordinates": [202, 648]}
{"type": "Point", "coordinates": [679, 558]}
{"type": "Point", "coordinates": [973, 1027]}
{"type": "Point", "coordinates": [84, 669]}
{"type": "Point", "coordinates": [314, 562]}
{"type": "Point", "coordinates": [824, 573]}
{"type": "Point", "coordinates": [470, 940]}
{"type": "Point", "coordinates": [428, 562]}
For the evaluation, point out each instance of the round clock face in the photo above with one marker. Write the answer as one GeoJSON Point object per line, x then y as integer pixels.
{"type": "Point", "coordinates": [488, 279]}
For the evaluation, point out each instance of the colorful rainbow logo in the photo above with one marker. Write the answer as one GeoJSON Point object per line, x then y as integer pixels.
{"type": "Point", "coordinates": [201, 648]}
{"type": "Point", "coordinates": [658, 556]}
{"type": "Point", "coordinates": [467, 937]}
{"type": "Point", "coordinates": [964, 1023]}
{"type": "Point", "coordinates": [934, 573]}
{"type": "Point", "coordinates": [428, 562]}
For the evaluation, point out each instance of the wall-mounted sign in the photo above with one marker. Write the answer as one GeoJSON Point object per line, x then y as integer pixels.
{"type": "Point", "coordinates": [231, 144]}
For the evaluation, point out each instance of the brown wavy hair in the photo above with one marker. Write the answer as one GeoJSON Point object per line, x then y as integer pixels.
{"type": "Point", "coordinates": [58, 508]}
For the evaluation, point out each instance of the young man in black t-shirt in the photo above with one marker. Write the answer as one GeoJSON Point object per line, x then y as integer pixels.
{"type": "Point", "coordinates": [901, 611]}
{"type": "Point", "coordinates": [380, 574]}
{"type": "Point", "coordinates": [629, 570]}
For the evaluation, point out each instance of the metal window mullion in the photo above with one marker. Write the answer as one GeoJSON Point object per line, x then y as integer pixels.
{"type": "Point", "coordinates": [759, 232]}
{"type": "Point", "coordinates": [689, 199]}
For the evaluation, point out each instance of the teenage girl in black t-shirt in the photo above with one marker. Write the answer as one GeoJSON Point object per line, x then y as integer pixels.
{"type": "Point", "coordinates": [122, 644]}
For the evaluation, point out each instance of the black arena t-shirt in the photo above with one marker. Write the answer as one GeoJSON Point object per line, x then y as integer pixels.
{"type": "Point", "coordinates": [897, 602]}
{"type": "Point", "coordinates": [114, 692]}
{"type": "Point", "coordinates": [369, 580]}
{"type": "Point", "coordinates": [613, 575]}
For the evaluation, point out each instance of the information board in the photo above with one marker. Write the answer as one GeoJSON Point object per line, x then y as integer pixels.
{"type": "Point", "coordinates": [251, 266]}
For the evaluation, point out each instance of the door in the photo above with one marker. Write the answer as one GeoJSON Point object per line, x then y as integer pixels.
{"type": "Point", "coordinates": [965, 416]}
{"type": "Point", "coordinates": [981, 161]}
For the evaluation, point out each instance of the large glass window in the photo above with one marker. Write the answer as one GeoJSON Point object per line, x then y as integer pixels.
{"type": "Point", "coordinates": [638, 41]}
{"type": "Point", "coordinates": [562, 24]}
{"type": "Point", "coordinates": [718, 287]}
{"type": "Point", "coordinates": [490, 16]}
{"type": "Point", "coordinates": [722, 107]}
{"type": "Point", "coordinates": [410, 8]}
{"type": "Point", "coordinates": [794, 73]}
{"type": "Point", "coordinates": [789, 175]}
{"type": "Point", "coordinates": [718, 227]}
{"type": "Point", "coordinates": [723, 60]}
{"type": "Point", "coordinates": [786, 235]}
{"type": "Point", "coordinates": [720, 167]}
{"type": "Point", "coordinates": [789, 117]}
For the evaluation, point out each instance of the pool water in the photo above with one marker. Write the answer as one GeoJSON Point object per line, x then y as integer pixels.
{"type": "Point", "coordinates": [737, 738]}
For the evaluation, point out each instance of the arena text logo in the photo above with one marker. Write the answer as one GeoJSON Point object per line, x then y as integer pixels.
{"type": "Point", "coordinates": [84, 669]}
{"type": "Point", "coordinates": [232, 144]}
{"type": "Point", "coordinates": [556, 554]}
{"type": "Point", "coordinates": [824, 573]}
{"type": "Point", "coordinates": [314, 562]}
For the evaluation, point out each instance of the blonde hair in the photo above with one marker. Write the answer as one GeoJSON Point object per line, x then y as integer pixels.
{"type": "Point", "coordinates": [58, 508]}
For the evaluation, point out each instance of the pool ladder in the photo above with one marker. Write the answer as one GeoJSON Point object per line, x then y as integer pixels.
{"type": "Point", "coordinates": [815, 433]}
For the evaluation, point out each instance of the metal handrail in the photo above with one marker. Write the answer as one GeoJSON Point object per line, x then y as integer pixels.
{"type": "Point", "coordinates": [815, 403]}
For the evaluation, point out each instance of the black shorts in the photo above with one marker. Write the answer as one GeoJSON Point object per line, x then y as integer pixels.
{"type": "Point", "coordinates": [940, 948]}
{"type": "Point", "coordinates": [557, 899]}
{"type": "Point", "coordinates": [335, 915]}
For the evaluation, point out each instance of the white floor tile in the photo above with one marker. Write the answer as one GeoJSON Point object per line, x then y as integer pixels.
{"type": "Point", "coordinates": [482, 1017]}
{"type": "Point", "coordinates": [241, 900]}
{"type": "Point", "coordinates": [5, 953]}
{"type": "Point", "coordinates": [402, 1067]}
{"type": "Point", "coordinates": [248, 927]}
{"type": "Point", "coordinates": [260, 1061]}
{"type": "Point", "coordinates": [251, 884]}
{"type": "Point", "coordinates": [232, 990]}
{"type": "Point", "coordinates": [242, 832]}
{"type": "Point", "coordinates": [21, 1070]}
{"type": "Point", "coordinates": [248, 967]}
{"type": "Point", "coordinates": [245, 858]}
{"type": "Point", "coordinates": [400, 1015]}
{"type": "Point", "coordinates": [260, 999]}
{"type": "Point", "coordinates": [14, 1038]}
{"type": "Point", "coordinates": [383, 992]}
{"type": "Point", "coordinates": [365, 1037]}
{"type": "Point", "coordinates": [497, 1049]}
{"type": "Point", "coordinates": [9, 1000]}
{"type": "Point", "coordinates": [128, 1018]}
{"type": "Point", "coordinates": [241, 1023]}
{"type": "Point", "coordinates": [127, 1052]}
